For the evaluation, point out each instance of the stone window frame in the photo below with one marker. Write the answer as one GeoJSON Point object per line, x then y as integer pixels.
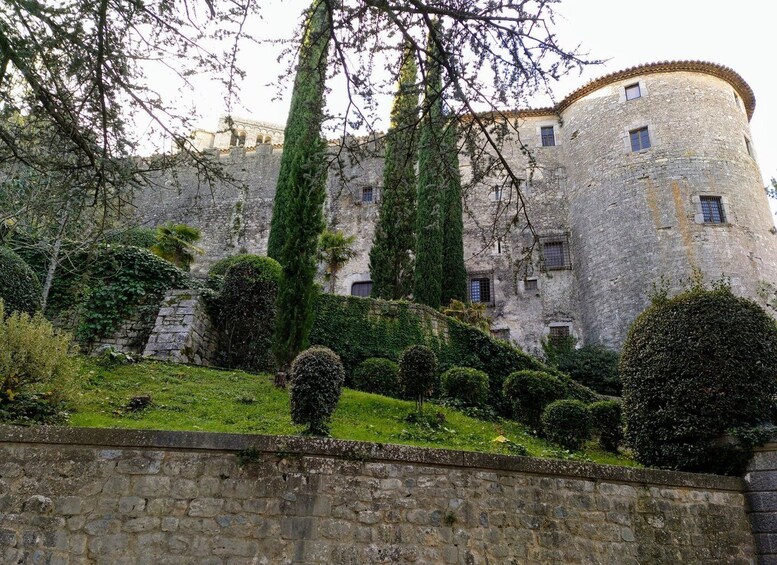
{"type": "Point", "coordinates": [556, 136]}
{"type": "Point", "coordinates": [633, 91]}
{"type": "Point", "coordinates": [367, 190]}
{"type": "Point", "coordinates": [498, 247]}
{"type": "Point", "coordinates": [652, 136]}
{"type": "Point", "coordinates": [698, 218]}
{"type": "Point", "coordinates": [563, 239]}
{"type": "Point", "coordinates": [643, 90]}
{"type": "Point", "coordinates": [481, 275]}
{"type": "Point", "coordinates": [525, 287]}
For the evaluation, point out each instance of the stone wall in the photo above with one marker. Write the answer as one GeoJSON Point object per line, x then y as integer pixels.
{"type": "Point", "coordinates": [132, 334]}
{"type": "Point", "coordinates": [133, 497]}
{"type": "Point", "coordinates": [183, 332]}
{"type": "Point", "coordinates": [761, 481]}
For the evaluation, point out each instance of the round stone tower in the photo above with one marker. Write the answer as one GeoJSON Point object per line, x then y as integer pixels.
{"type": "Point", "coordinates": [663, 181]}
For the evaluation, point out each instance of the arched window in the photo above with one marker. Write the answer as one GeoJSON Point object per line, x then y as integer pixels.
{"type": "Point", "coordinates": [233, 141]}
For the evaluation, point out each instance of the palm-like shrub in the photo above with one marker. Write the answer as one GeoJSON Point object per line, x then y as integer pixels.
{"type": "Point", "coordinates": [175, 243]}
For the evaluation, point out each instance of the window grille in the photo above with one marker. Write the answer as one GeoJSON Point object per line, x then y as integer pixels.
{"type": "Point", "coordinates": [555, 253]}
{"type": "Point", "coordinates": [367, 194]}
{"type": "Point", "coordinates": [480, 290]}
{"type": "Point", "coordinates": [530, 284]}
{"type": "Point", "coordinates": [558, 334]}
{"type": "Point", "coordinates": [712, 210]}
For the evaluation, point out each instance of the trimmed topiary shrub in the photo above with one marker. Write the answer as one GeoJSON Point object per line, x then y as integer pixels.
{"type": "Point", "coordinates": [246, 312]}
{"type": "Point", "coordinates": [317, 377]}
{"type": "Point", "coordinates": [418, 373]}
{"type": "Point", "coordinates": [359, 328]}
{"type": "Point", "coordinates": [695, 368]}
{"type": "Point", "coordinates": [377, 375]}
{"type": "Point", "coordinates": [530, 392]}
{"type": "Point", "coordinates": [607, 419]}
{"type": "Point", "coordinates": [138, 236]}
{"type": "Point", "coordinates": [19, 287]}
{"type": "Point", "coordinates": [567, 423]}
{"type": "Point", "coordinates": [466, 385]}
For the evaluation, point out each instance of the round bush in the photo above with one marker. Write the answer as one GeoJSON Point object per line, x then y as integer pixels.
{"type": "Point", "coordinates": [19, 287]}
{"type": "Point", "coordinates": [468, 386]}
{"type": "Point", "coordinates": [567, 423]}
{"type": "Point", "coordinates": [377, 375]}
{"type": "Point", "coordinates": [607, 419]}
{"type": "Point", "coordinates": [695, 367]}
{"type": "Point", "coordinates": [418, 373]}
{"type": "Point", "coordinates": [246, 312]}
{"type": "Point", "coordinates": [530, 392]}
{"type": "Point", "coordinates": [317, 377]}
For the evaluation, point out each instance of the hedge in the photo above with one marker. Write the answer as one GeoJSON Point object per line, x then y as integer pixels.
{"type": "Point", "coordinates": [359, 328]}
{"type": "Point", "coordinates": [19, 287]}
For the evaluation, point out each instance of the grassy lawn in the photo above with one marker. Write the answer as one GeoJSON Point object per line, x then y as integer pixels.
{"type": "Point", "coordinates": [201, 399]}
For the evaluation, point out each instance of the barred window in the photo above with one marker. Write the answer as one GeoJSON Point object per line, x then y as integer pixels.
{"type": "Point", "coordinates": [530, 284]}
{"type": "Point", "coordinates": [480, 290]}
{"type": "Point", "coordinates": [367, 194]}
{"type": "Point", "coordinates": [555, 254]}
{"type": "Point", "coordinates": [712, 209]}
{"type": "Point", "coordinates": [558, 334]}
{"type": "Point", "coordinates": [363, 288]}
{"type": "Point", "coordinates": [548, 136]}
{"type": "Point", "coordinates": [639, 139]}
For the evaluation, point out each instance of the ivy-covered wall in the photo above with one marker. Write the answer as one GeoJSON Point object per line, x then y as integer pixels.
{"type": "Point", "coordinates": [359, 328]}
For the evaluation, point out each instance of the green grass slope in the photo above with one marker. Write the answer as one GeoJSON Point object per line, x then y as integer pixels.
{"type": "Point", "coordinates": [202, 399]}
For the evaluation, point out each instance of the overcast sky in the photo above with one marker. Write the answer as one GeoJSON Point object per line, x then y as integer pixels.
{"type": "Point", "coordinates": [623, 33]}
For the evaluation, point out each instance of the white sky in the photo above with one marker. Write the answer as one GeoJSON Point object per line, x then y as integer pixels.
{"type": "Point", "coordinates": [738, 35]}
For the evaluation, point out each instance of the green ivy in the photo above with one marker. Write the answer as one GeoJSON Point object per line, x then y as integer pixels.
{"type": "Point", "coordinates": [360, 328]}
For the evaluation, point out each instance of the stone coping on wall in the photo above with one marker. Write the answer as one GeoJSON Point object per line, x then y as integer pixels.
{"type": "Point", "coordinates": [359, 451]}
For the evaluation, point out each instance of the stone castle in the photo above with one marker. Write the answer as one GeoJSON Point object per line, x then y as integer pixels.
{"type": "Point", "coordinates": [644, 173]}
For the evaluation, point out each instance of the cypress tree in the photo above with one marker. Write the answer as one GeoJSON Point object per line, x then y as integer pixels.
{"type": "Point", "coordinates": [454, 282]}
{"type": "Point", "coordinates": [298, 216]}
{"type": "Point", "coordinates": [391, 255]}
{"type": "Point", "coordinates": [427, 287]}
{"type": "Point", "coordinates": [302, 134]}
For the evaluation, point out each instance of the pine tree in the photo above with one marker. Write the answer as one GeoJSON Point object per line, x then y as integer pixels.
{"type": "Point", "coordinates": [298, 216]}
{"type": "Point", "coordinates": [427, 288]}
{"type": "Point", "coordinates": [454, 282]}
{"type": "Point", "coordinates": [391, 255]}
{"type": "Point", "coordinates": [302, 134]}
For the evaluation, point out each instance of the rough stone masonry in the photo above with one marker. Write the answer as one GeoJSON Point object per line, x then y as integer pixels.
{"type": "Point", "coordinates": [121, 497]}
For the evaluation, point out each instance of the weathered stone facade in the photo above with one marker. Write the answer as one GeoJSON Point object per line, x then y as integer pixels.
{"type": "Point", "coordinates": [611, 221]}
{"type": "Point", "coordinates": [761, 485]}
{"type": "Point", "coordinates": [183, 332]}
{"type": "Point", "coordinates": [72, 496]}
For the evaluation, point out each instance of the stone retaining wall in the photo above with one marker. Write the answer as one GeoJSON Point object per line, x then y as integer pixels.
{"type": "Point", "coordinates": [183, 332]}
{"type": "Point", "coordinates": [133, 497]}
{"type": "Point", "coordinates": [761, 484]}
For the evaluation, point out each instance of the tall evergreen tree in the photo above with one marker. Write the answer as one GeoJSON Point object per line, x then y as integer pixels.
{"type": "Point", "coordinates": [298, 216]}
{"type": "Point", "coordinates": [391, 255]}
{"type": "Point", "coordinates": [454, 282]}
{"type": "Point", "coordinates": [427, 286]}
{"type": "Point", "coordinates": [302, 134]}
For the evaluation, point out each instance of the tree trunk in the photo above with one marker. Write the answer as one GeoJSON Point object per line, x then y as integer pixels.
{"type": "Point", "coordinates": [54, 262]}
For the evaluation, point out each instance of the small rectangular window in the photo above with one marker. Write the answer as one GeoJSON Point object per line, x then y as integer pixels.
{"type": "Point", "coordinates": [712, 210]}
{"type": "Point", "coordinates": [736, 99]}
{"type": "Point", "coordinates": [633, 91]}
{"type": "Point", "coordinates": [749, 147]}
{"type": "Point", "coordinates": [480, 290]}
{"type": "Point", "coordinates": [548, 136]}
{"type": "Point", "coordinates": [558, 334]}
{"type": "Point", "coordinates": [530, 284]}
{"type": "Point", "coordinates": [367, 194]}
{"type": "Point", "coordinates": [498, 247]}
{"type": "Point", "coordinates": [639, 139]}
{"type": "Point", "coordinates": [496, 194]}
{"type": "Point", "coordinates": [363, 288]}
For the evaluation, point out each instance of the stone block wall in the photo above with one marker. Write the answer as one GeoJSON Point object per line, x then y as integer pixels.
{"type": "Point", "coordinates": [133, 497]}
{"type": "Point", "coordinates": [761, 481]}
{"type": "Point", "coordinates": [131, 336]}
{"type": "Point", "coordinates": [183, 332]}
